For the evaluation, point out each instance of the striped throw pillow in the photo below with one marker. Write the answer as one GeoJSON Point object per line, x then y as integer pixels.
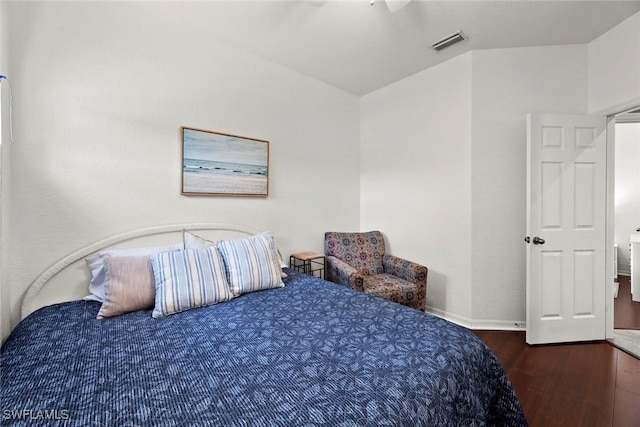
{"type": "Point", "coordinates": [192, 241]}
{"type": "Point", "coordinates": [252, 263]}
{"type": "Point", "coordinates": [188, 279]}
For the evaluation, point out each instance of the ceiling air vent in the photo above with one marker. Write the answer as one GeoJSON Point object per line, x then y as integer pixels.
{"type": "Point", "coordinates": [448, 41]}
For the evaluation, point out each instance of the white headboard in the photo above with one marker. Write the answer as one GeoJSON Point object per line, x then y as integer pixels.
{"type": "Point", "coordinates": [68, 279]}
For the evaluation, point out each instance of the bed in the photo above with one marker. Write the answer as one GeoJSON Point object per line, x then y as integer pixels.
{"type": "Point", "coordinates": [311, 353]}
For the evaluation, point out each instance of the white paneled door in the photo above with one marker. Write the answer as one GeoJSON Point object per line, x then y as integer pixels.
{"type": "Point", "coordinates": [566, 207]}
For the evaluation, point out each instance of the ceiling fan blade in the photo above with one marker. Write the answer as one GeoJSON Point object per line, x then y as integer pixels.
{"type": "Point", "coordinates": [396, 5]}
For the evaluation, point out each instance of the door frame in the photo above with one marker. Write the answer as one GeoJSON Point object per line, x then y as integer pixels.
{"type": "Point", "coordinates": [610, 227]}
{"type": "Point", "coordinates": [610, 212]}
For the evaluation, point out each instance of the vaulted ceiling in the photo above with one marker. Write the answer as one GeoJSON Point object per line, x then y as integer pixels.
{"type": "Point", "coordinates": [359, 47]}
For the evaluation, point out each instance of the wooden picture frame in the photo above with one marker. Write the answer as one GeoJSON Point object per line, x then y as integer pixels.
{"type": "Point", "coordinates": [222, 164]}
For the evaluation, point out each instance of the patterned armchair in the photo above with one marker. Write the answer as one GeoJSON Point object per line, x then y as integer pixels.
{"type": "Point", "coordinates": [357, 260]}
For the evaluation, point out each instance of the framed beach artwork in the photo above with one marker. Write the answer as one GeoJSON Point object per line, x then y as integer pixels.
{"type": "Point", "coordinates": [216, 163]}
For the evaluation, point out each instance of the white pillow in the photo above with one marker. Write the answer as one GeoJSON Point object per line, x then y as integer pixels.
{"type": "Point", "coordinates": [96, 265]}
{"type": "Point", "coordinates": [252, 263]}
{"type": "Point", "coordinates": [188, 279]}
{"type": "Point", "coordinates": [191, 241]}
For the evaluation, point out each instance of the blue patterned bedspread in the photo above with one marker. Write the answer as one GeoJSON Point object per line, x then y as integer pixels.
{"type": "Point", "coordinates": [310, 354]}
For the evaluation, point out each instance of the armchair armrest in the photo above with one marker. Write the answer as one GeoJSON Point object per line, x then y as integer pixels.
{"type": "Point", "coordinates": [407, 270]}
{"type": "Point", "coordinates": [410, 271]}
{"type": "Point", "coordinates": [342, 273]}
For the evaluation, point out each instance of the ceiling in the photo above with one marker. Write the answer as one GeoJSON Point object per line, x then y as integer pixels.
{"type": "Point", "coordinates": [359, 47]}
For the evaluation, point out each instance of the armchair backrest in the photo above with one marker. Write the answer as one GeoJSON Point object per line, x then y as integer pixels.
{"type": "Point", "coordinates": [363, 251]}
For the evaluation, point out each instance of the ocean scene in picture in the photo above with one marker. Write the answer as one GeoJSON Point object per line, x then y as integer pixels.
{"type": "Point", "coordinates": [215, 163]}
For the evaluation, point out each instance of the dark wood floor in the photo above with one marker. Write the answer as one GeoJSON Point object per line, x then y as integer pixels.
{"type": "Point", "coordinates": [583, 384]}
{"type": "Point", "coordinates": [626, 312]}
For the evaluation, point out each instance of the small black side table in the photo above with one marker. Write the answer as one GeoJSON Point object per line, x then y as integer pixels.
{"type": "Point", "coordinates": [311, 263]}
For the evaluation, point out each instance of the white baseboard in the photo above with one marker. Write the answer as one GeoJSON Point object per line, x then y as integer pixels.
{"type": "Point", "coordinates": [453, 318]}
{"type": "Point", "coordinates": [624, 273]}
{"type": "Point", "coordinates": [494, 325]}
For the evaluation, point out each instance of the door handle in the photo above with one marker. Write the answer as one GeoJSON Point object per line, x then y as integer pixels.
{"type": "Point", "coordinates": [538, 241]}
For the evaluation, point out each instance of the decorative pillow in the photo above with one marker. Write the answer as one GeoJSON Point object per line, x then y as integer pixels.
{"type": "Point", "coordinates": [129, 285]}
{"type": "Point", "coordinates": [96, 265]}
{"type": "Point", "coordinates": [188, 279]}
{"type": "Point", "coordinates": [252, 263]}
{"type": "Point", "coordinates": [192, 241]}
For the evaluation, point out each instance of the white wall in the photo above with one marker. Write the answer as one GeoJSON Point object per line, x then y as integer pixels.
{"type": "Point", "coordinates": [416, 174]}
{"type": "Point", "coordinates": [100, 92]}
{"type": "Point", "coordinates": [508, 84]}
{"type": "Point", "coordinates": [627, 189]}
{"type": "Point", "coordinates": [452, 195]}
{"type": "Point", "coordinates": [614, 68]}
{"type": "Point", "coordinates": [483, 283]}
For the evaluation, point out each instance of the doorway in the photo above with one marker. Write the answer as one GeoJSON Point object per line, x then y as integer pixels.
{"type": "Point", "coordinates": [626, 307]}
